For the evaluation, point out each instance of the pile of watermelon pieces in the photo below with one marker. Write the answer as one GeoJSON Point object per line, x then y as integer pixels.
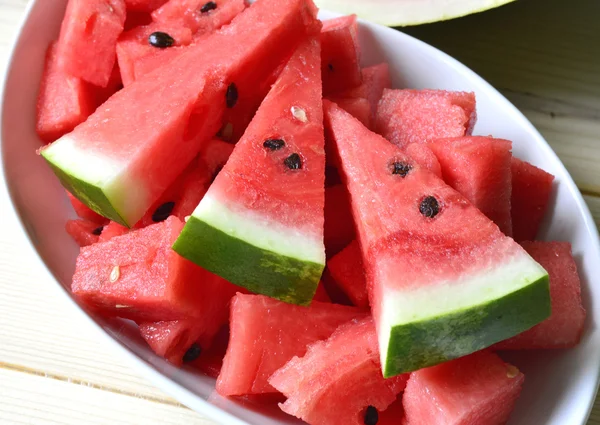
{"type": "Point", "coordinates": [276, 216]}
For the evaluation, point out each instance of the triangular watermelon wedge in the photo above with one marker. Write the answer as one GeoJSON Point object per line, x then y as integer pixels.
{"type": "Point", "coordinates": [443, 279]}
{"type": "Point", "coordinates": [260, 225]}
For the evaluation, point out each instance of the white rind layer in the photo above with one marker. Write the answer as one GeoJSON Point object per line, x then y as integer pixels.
{"type": "Point", "coordinates": [261, 232]}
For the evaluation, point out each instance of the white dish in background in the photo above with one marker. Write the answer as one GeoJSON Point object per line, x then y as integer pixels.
{"type": "Point", "coordinates": [560, 386]}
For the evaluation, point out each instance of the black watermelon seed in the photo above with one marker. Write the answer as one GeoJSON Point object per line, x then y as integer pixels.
{"type": "Point", "coordinates": [429, 207]}
{"type": "Point", "coordinates": [98, 231]}
{"type": "Point", "coordinates": [161, 40]}
{"type": "Point", "coordinates": [401, 168]}
{"type": "Point", "coordinates": [293, 162]}
{"type": "Point", "coordinates": [192, 353]}
{"type": "Point", "coordinates": [330, 66]}
{"type": "Point", "coordinates": [231, 96]}
{"type": "Point", "coordinates": [371, 416]}
{"type": "Point", "coordinates": [163, 212]}
{"type": "Point", "coordinates": [274, 144]}
{"type": "Point", "coordinates": [211, 5]}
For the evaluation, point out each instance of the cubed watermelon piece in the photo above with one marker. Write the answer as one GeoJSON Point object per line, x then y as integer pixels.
{"type": "Point", "coordinates": [564, 327]}
{"type": "Point", "coordinates": [266, 333]}
{"type": "Point", "coordinates": [480, 169]}
{"type": "Point", "coordinates": [84, 232]}
{"type": "Point", "coordinates": [474, 390]}
{"type": "Point", "coordinates": [210, 361]}
{"type": "Point", "coordinates": [112, 230]}
{"type": "Point", "coordinates": [340, 54]}
{"type": "Point", "coordinates": [531, 190]}
{"type": "Point", "coordinates": [88, 37]}
{"type": "Point", "coordinates": [139, 276]}
{"type": "Point", "coordinates": [199, 16]}
{"type": "Point", "coordinates": [172, 339]}
{"type": "Point", "coordinates": [359, 107]}
{"type": "Point", "coordinates": [130, 150]}
{"type": "Point", "coordinates": [425, 157]}
{"type": "Point", "coordinates": [347, 270]}
{"type": "Point", "coordinates": [339, 224]}
{"type": "Point", "coordinates": [337, 380]}
{"type": "Point", "coordinates": [84, 212]}
{"type": "Point", "coordinates": [375, 79]}
{"type": "Point", "coordinates": [63, 101]}
{"type": "Point", "coordinates": [420, 116]}
{"type": "Point", "coordinates": [143, 5]}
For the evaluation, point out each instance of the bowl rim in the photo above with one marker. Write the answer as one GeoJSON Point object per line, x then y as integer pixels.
{"type": "Point", "coordinates": [180, 392]}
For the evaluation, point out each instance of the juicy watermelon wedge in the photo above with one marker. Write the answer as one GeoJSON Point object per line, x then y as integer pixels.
{"type": "Point", "coordinates": [425, 157]}
{"type": "Point", "coordinates": [340, 54]}
{"type": "Point", "coordinates": [110, 161]}
{"type": "Point", "coordinates": [435, 265]}
{"type": "Point", "coordinates": [266, 333]}
{"type": "Point", "coordinates": [338, 379]}
{"type": "Point", "coordinates": [194, 15]}
{"type": "Point", "coordinates": [347, 270]}
{"type": "Point", "coordinates": [84, 232]}
{"type": "Point", "coordinates": [260, 225]}
{"type": "Point", "coordinates": [171, 339]}
{"type": "Point", "coordinates": [143, 5]}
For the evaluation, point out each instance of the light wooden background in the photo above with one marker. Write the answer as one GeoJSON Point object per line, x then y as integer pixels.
{"type": "Point", "coordinates": [542, 54]}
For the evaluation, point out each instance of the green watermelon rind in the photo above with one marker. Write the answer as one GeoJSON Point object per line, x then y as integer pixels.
{"type": "Point", "coordinates": [416, 345]}
{"type": "Point", "coordinates": [261, 271]}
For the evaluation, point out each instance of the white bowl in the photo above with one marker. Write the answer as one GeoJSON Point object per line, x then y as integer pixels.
{"type": "Point", "coordinates": [560, 386]}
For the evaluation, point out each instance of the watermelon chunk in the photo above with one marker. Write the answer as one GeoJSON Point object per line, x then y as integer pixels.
{"type": "Point", "coordinates": [84, 232]}
{"type": "Point", "coordinates": [138, 276]}
{"type": "Point", "coordinates": [112, 230]}
{"type": "Point", "coordinates": [88, 36]}
{"type": "Point", "coordinates": [420, 116]}
{"type": "Point", "coordinates": [266, 333]}
{"type": "Point", "coordinates": [425, 157]}
{"type": "Point", "coordinates": [260, 225]}
{"type": "Point", "coordinates": [479, 168]}
{"type": "Point", "coordinates": [531, 190]}
{"type": "Point", "coordinates": [564, 327]}
{"type": "Point", "coordinates": [197, 15]}
{"type": "Point", "coordinates": [340, 54]}
{"type": "Point", "coordinates": [143, 5]}
{"type": "Point", "coordinates": [474, 390]}
{"type": "Point", "coordinates": [339, 224]}
{"type": "Point", "coordinates": [321, 294]}
{"type": "Point", "coordinates": [132, 148]}
{"type": "Point", "coordinates": [343, 371]}
{"type": "Point", "coordinates": [358, 107]}
{"type": "Point", "coordinates": [347, 270]}
{"type": "Point", "coordinates": [172, 339]}
{"type": "Point", "coordinates": [210, 361]}
{"type": "Point", "coordinates": [435, 265]}
{"type": "Point", "coordinates": [375, 79]}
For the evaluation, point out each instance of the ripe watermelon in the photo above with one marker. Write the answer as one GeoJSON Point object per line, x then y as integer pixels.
{"type": "Point", "coordinates": [564, 327]}
{"type": "Point", "coordinates": [443, 280]}
{"type": "Point", "coordinates": [420, 116]}
{"type": "Point", "coordinates": [198, 15]}
{"type": "Point", "coordinates": [321, 294]}
{"type": "Point", "coordinates": [138, 276]}
{"type": "Point", "coordinates": [340, 54]}
{"type": "Point", "coordinates": [531, 190]}
{"type": "Point", "coordinates": [338, 379]}
{"type": "Point", "coordinates": [425, 157]}
{"type": "Point", "coordinates": [112, 230]}
{"type": "Point", "coordinates": [88, 36]}
{"type": "Point", "coordinates": [172, 339]}
{"type": "Point", "coordinates": [84, 232]}
{"type": "Point", "coordinates": [143, 5]}
{"type": "Point", "coordinates": [110, 161]}
{"type": "Point", "coordinates": [347, 270]}
{"type": "Point", "coordinates": [266, 333]}
{"type": "Point", "coordinates": [358, 107]}
{"type": "Point", "coordinates": [260, 225]}
{"type": "Point", "coordinates": [210, 361]}
{"type": "Point", "coordinates": [479, 169]}
{"type": "Point", "coordinates": [339, 224]}
{"type": "Point", "coordinates": [375, 79]}
{"type": "Point", "coordinates": [84, 212]}
{"type": "Point", "coordinates": [474, 390]}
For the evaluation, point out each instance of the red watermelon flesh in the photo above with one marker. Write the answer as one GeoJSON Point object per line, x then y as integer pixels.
{"type": "Point", "coordinates": [425, 157]}
{"type": "Point", "coordinates": [564, 327]}
{"type": "Point", "coordinates": [420, 116]}
{"type": "Point", "coordinates": [63, 101]}
{"type": "Point", "coordinates": [84, 212]}
{"type": "Point", "coordinates": [143, 5]}
{"type": "Point", "coordinates": [347, 270]}
{"type": "Point", "coordinates": [172, 339]}
{"type": "Point", "coordinates": [375, 79]}
{"type": "Point", "coordinates": [88, 37]}
{"type": "Point", "coordinates": [339, 224]}
{"type": "Point", "coordinates": [358, 107]}
{"type": "Point", "coordinates": [531, 190]}
{"type": "Point", "coordinates": [139, 276]}
{"type": "Point", "coordinates": [337, 379]}
{"type": "Point", "coordinates": [321, 294]}
{"type": "Point", "coordinates": [84, 232]}
{"type": "Point", "coordinates": [393, 415]}
{"type": "Point", "coordinates": [266, 333]}
{"type": "Point", "coordinates": [480, 169]}
{"type": "Point", "coordinates": [137, 19]}
{"type": "Point", "coordinates": [189, 14]}
{"type": "Point", "coordinates": [474, 390]}
{"type": "Point", "coordinates": [340, 54]}
{"type": "Point", "coordinates": [210, 361]}
{"type": "Point", "coordinates": [112, 230]}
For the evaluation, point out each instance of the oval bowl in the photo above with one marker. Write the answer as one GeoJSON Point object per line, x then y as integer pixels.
{"type": "Point", "coordinates": [560, 385]}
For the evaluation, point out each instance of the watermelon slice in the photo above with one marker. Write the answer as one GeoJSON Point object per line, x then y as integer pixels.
{"type": "Point", "coordinates": [199, 16]}
{"type": "Point", "coordinates": [110, 161]}
{"type": "Point", "coordinates": [260, 225]}
{"type": "Point", "coordinates": [266, 333]}
{"type": "Point", "coordinates": [341, 371]}
{"type": "Point", "coordinates": [210, 361]}
{"type": "Point", "coordinates": [474, 390]}
{"type": "Point", "coordinates": [425, 157]}
{"type": "Point", "coordinates": [358, 107]}
{"type": "Point", "coordinates": [375, 79]}
{"type": "Point", "coordinates": [479, 168]}
{"type": "Point", "coordinates": [340, 54]}
{"type": "Point", "coordinates": [88, 37]}
{"type": "Point", "coordinates": [339, 224]}
{"type": "Point", "coordinates": [143, 5]}
{"type": "Point", "coordinates": [420, 116]}
{"type": "Point", "coordinates": [84, 232]}
{"type": "Point", "coordinates": [138, 276]}
{"type": "Point", "coordinates": [347, 270]}
{"type": "Point", "coordinates": [112, 230]}
{"type": "Point", "coordinates": [564, 327]}
{"type": "Point", "coordinates": [443, 280]}
{"type": "Point", "coordinates": [531, 190]}
{"type": "Point", "coordinates": [173, 339]}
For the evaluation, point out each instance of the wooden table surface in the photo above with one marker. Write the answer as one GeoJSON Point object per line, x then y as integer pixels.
{"type": "Point", "coordinates": [542, 54]}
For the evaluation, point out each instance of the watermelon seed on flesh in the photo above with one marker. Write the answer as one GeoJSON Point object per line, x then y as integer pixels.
{"type": "Point", "coordinates": [401, 168]}
{"type": "Point", "coordinates": [160, 39]}
{"type": "Point", "coordinates": [163, 212]}
{"type": "Point", "coordinates": [211, 5]}
{"type": "Point", "coordinates": [371, 416]}
{"type": "Point", "coordinates": [192, 353]}
{"type": "Point", "coordinates": [274, 144]}
{"type": "Point", "coordinates": [429, 207]}
{"type": "Point", "coordinates": [293, 162]}
{"type": "Point", "coordinates": [98, 230]}
{"type": "Point", "coordinates": [231, 95]}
